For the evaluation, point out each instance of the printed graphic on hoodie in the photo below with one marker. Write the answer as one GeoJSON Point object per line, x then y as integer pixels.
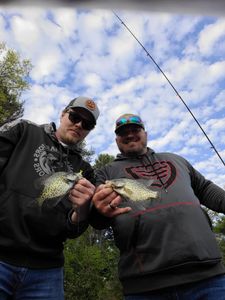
{"type": "Point", "coordinates": [162, 172]}
{"type": "Point", "coordinates": [48, 160]}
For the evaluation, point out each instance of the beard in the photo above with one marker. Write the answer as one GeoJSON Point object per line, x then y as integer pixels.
{"type": "Point", "coordinates": [133, 148]}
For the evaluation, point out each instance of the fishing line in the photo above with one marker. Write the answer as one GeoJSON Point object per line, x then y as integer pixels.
{"type": "Point", "coordinates": [175, 90]}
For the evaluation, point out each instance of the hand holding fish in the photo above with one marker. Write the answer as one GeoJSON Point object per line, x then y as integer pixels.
{"type": "Point", "coordinates": [80, 196]}
{"type": "Point", "coordinates": [107, 201]}
{"type": "Point", "coordinates": [111, 194]}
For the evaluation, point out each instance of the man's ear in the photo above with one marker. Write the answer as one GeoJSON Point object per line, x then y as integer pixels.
{"type": "Point", "coordinates": [116, 139]}
{"type": "Point", "coordinates": [62, 114]}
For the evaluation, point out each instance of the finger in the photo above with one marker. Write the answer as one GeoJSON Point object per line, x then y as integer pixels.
{"type": "Point", "coordinates": [100, 187]}
{"type": "Point", "coordinates": [79, 198]}
{"type": "Point", "coordinates": [117, 211]}
{"type": "Point", "coordinates": [101, 201]}
{"type": "Point", "coordinates": [83, 189]}
{"type": "Point", "coordinates": [84, 182]}
{"type": "Point", "coordinates": [112, 206]}
{"type": "Point", "coordinates": [78, 203]}
{"type": "Point", "coordinates": [116, 201]}
{"type": "Point", "coordinates": [104, 192]}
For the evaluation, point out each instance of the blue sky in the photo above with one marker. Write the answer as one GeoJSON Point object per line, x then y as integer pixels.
{"type": "Point", "coordinates": [88, 52]}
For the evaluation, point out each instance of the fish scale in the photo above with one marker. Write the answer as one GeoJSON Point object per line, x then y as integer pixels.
{"type": "Point", "coordinates": [130, 189]}
{"type": "Point", "coordinates": [57, 185]}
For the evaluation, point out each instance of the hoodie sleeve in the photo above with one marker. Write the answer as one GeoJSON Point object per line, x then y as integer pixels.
{"type": "Point", "coordinates": [75, 230]}
{"type": "Point", "coordinates": [208, 193]}
{"type": "Point", "coordinates": [97, 220]}
{"type": "Point", "coordinates": [9, 136]}
{"type": "Point", "coordinates": [89, 173]}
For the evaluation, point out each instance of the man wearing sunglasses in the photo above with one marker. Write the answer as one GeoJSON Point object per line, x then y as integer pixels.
{"type": "Point", "coordinates": [32, 237]}
{"type": "Point", "coordinates": [167, 247]}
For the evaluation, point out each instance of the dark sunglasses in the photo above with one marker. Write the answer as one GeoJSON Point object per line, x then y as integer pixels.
{"type": "Point", "coordinates": [129, 120]}
{"type": "Point", "coordinates": [76, 118]}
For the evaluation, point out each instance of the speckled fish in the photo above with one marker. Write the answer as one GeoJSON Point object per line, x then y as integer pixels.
{"type": "Point", "coordinates": [134, 190]}
{"type": "Point", "coordinates": [57, 185]}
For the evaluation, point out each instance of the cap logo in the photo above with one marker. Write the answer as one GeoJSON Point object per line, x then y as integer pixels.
{"type": "Point", "coordinates": [90, 104]}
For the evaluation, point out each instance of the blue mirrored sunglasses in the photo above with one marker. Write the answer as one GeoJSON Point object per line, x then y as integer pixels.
{"type": "Point", "coordinates": [128, 120]}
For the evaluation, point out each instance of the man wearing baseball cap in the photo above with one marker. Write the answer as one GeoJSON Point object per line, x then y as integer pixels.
{"type": "Point", "coordinates": [87, 104]}
{"type": "Point", "coordinates": [167, 247]}
{"type": "Point", "coordinates": [77, 120]}
{"type": "Point", "coordinates": [131, 137]}
{"type": "Point", "coordinates": [32, 237]}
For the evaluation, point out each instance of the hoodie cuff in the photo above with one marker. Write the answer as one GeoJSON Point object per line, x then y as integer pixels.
{"type": "Point", "coordinates": [79, 227]}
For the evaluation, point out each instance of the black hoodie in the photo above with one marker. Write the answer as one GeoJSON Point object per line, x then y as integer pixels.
{"type": "Point", "coordinates": [31, 236]}
{"type": "Point", "coordinates": [166, 241]}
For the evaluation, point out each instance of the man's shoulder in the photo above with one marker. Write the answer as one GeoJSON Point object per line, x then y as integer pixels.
{"type": "Point", "coordinates": [168, 155]}
{"type": "Point", "coordinates": [173, 158]}
{"type": "Point", "coordinates": [17, 123]}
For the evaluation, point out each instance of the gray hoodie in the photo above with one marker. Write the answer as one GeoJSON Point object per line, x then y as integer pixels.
{"type": "Point", "coordinates": [166, 241]}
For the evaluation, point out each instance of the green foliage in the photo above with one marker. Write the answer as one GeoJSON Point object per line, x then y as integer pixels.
{"type": "Point", "coordinates": [220, 226]}
{"type": "Point", "coordinates": [91, 268]}
{"type": "Point", "coordinates": [221, 242]}
{"type": "Point", "coordinates": [86, 153]}
{"type": "Point", "coordinates": [13, 81]}
{"type": "Point", "coordinates": [219, 229]}
{"type": "Point", "coordinates": [102, 160]}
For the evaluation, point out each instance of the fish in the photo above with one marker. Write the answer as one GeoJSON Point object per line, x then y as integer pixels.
{"type": "Point", "coordinates": [57, 185]}
{"type": "Point", "coordinates": [132, 189]}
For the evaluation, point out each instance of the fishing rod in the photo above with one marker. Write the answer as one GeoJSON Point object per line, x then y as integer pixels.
{"type": "Point", "coordinates": [175, 90]}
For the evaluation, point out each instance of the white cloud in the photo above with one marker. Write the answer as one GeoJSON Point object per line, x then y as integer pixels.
{"type": "Point", "coordinates": [44, 103]}
{"type": "Point", "coordinates": [67, 20]}
{"type": "Point", "coordinates": [89, 52]}
{"type": "Point", "coordinates": [49, 67]}
{"type": "Point", "coordinates": [93, 82]}
{"type": "Point", "coordinates": [26, 33]}
{"type": "Point", "coordinates": [219, 101]}
{"type": "Point", "coordinates": [216, 71]}
{"type": "Point", "coordinates": [209, 37]}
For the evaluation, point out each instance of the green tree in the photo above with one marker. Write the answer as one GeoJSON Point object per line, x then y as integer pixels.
{"type": "Point", "coordinates": [102, 160]}
{"type": "Point", "coordinates": [91, 269]}
{"type": "Point", "coordinates": [14, 73]}
{"type": "Point", "coordinates": [218, 226]}
{"type": "Point", "coordinates": [219, 229]}
{"type": "Point", "coordinates": [86, 153]}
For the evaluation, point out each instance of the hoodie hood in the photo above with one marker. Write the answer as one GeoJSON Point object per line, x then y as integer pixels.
{"type": "Point", "coordinates": [50, 129]}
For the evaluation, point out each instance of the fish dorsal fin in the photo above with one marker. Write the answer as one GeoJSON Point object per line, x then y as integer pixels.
{"type": "Point", "coordinates": [145, 181]}
{"type": "Point", "coordinates": [114, 184]}
{"type": "Point", "coordinates": [71, 177]}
